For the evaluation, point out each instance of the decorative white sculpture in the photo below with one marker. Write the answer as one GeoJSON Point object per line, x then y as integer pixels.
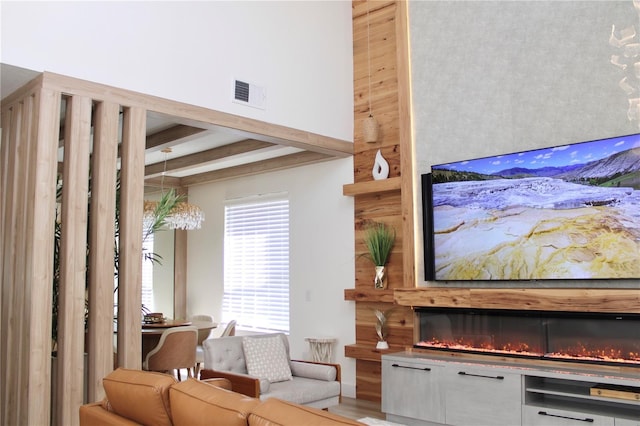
{"type": "Point", "coordinates": [380, 167]}
{"type": "Point", "coordinates": [626, 58]}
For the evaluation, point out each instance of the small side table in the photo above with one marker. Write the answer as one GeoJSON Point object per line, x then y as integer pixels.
{"type": "Point", "coordinates": [321, 348]}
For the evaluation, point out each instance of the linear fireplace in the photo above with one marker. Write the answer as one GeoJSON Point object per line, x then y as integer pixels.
{"type": "Point", "coordinates": [602, 338]}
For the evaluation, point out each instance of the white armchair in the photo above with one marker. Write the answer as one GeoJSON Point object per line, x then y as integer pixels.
{"type": "Point", "coordinates": [260, 366]}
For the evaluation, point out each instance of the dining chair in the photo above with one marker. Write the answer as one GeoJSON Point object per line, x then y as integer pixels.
{"type": "Point", "coordinates": [204, 333]}
{"type": "Point", "coordinates": [175, 350]}
{"type": "Point", "coordinates": [229, 330]}
{"type": "Point", "coordinates": [202, 336]}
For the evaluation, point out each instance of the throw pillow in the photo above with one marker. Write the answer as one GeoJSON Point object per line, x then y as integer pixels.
{"type": "Point", "coordinates": [266, 357]}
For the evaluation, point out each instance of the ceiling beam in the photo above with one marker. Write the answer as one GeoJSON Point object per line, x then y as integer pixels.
{"type": "Point", "coordinates": [270, 165]}
{"type": "Point", "coordinates": [205, 157]}
{"type": "Point", "coordinates": [172, 136]}
{"type": "Point", "coordinates": [163, 182]}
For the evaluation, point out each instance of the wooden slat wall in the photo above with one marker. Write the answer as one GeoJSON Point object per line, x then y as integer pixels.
{"type": "Point", "coordinates": [73, 263]}
{"type": "Point", "coordinates": [101, 261]}
{"type": "Point", "coordinates": [130, 272]}
{"type": "Point", "coordinates": [28, 166]}
{"type": "Point", "coordinates": [30, 135]}
{"type": "Point", "coordinates": [387, 48]}
{"type": "Point", "coordinates": [41, 191]}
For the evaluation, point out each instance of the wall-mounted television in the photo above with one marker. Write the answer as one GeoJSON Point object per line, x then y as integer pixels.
{"type": "Point", "coordinates": [559, 213]}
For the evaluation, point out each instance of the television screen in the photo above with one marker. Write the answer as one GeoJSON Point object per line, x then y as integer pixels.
{"type": "Point", "coordinates": [566, 212]}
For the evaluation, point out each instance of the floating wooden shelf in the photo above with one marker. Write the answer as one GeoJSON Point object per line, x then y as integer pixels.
{"type": "Point", "coordinates": [368, 295]}
{"type": "Point", "coordinates": [372, 187]}
{"type": "Point", "coordinates": [369, 352]}
{"type": "Point", "coordinates": [542, 299]}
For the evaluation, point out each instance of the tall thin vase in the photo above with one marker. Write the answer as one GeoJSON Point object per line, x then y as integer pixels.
{"type": "Point", "coordinates": [380, 279]}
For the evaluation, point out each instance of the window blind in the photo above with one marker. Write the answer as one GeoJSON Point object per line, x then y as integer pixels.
{"type": "Point", "coordinates": [256, 264]}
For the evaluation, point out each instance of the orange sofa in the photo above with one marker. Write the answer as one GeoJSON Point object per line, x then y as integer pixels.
{"type": "Point", "coordinates": [135, 397]}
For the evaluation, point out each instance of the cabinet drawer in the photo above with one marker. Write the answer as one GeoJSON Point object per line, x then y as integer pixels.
{"type": "Point", "coordinates": [412, 389]}
{"type": "Point", "coordinates": [540, 416]}
{"type": "Point", "coordinates": [478, 397]}
{"type": "Point", "coordinates": [627, 422]}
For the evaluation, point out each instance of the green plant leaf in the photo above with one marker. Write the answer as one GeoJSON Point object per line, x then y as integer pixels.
{"type": "Point", "coordinates": [379, 239]}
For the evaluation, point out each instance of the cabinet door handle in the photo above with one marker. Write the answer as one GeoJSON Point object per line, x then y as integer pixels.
{"type": "Point", "coordinates": [586, 419]}
{"type": "Point", "coordinates": [411, 368]}
{"type": "Point", "coordinates": [464, 373]}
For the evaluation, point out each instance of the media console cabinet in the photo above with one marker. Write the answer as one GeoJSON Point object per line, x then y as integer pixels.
{"type": "Point", "coordinates": [420, 389]}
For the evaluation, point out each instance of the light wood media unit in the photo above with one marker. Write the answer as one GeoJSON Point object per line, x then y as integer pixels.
{"type": "Point", "coordinates": [429, 389]}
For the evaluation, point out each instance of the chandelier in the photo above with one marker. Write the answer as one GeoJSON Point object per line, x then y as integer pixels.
{"type": "Point", "coordinates": [182, 215]}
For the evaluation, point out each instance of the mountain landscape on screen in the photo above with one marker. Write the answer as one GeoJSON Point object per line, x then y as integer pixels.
{"type": "Point", "coordinates": [567, 212]}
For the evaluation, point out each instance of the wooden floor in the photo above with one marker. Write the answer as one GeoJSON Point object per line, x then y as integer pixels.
{"type": "Point", "coordinates": [357, 409]}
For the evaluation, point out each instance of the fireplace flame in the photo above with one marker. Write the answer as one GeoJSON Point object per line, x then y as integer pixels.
{"type": "Point", "coordinates": [578, 352]}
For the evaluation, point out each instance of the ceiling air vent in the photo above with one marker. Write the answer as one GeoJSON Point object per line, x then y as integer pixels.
{"type": "Point", "coordinates": [249, 94]}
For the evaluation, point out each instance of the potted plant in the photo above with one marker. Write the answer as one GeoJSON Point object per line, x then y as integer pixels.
{"type": "Point", "coordinates": [379, 239]}
{"type": "Point", "coordinates": [161, 210]}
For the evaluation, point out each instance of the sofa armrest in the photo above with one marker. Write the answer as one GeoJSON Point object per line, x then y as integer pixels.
{"type": "Point", "coordinates": [94, 414]}
{"type": "Point", "coordinates": [309, 370]}
{"type": "Point", "coordinates": [219, 382]}
{"type": "Point", "coordinates": [241, 383]}
{"type": "Point", "coordinates": [336, 366]}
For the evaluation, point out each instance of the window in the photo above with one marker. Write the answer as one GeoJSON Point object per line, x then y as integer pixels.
{"type": "Point", "coordinates": [256, 263]}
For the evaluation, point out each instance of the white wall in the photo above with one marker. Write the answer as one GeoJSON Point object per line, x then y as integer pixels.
{"type": "Point", "coordinates": [321, 248]}
{"type": "Point", "coordinates": [496, 77]}
{"type": "Point", "coordinates": [301, 52]}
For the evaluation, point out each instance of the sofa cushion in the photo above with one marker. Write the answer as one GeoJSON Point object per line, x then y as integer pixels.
{"type": "Point", "coordinates": [140, 396]}
{"type": "Point", "coordinates": [302, 390]}
{"type": "Point", "coordinates": [266, 357]}
{"type": "Point", "coordinates": [198, 403]}
{"type": "Point", "coordinates": [277, 412]}
{"type": "Point", "coordinates": [224, 354]}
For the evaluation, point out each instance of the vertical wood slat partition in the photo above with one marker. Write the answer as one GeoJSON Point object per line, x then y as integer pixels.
{"type": "Point", "coordinates": [25, 342]}
{"type": "Point", "coordinates": [42, 191]}
{"type": "Point", "coordinates": [73, 256]}
{"type": "Point", "coordinates": [101, 261]}
{"type": "Point", "coordinates": [29, 157]}
{"type": "Point", "coordinates": [130, 270]}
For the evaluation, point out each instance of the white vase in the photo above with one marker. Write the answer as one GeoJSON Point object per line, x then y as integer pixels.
{"type": "Point", "coordinates": [379, 280]}
{"type": "Point", "coordinates": [382, 345]}
{"type": "Point", "coordinates": [380, 169]}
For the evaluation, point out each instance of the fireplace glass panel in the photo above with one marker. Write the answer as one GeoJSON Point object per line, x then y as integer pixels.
{"type": "Point", "coordinates": [580, 337]}
{"type": "Point", "coordinates": [611, 338]}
